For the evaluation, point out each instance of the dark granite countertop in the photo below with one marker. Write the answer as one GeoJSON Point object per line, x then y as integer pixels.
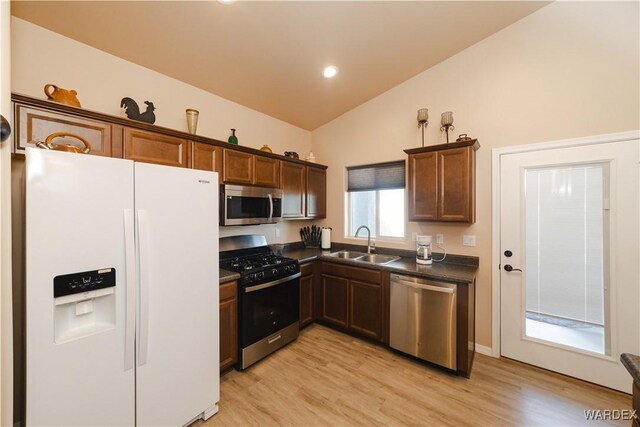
{"type": "Point", "coordinates": [459, 269]}
{"type": "Point", "coordinates": [228, 276]}
{"type": "Point", "coordinates": [632, 363]}
{"type": "Point", "coordinates": [455, 268]}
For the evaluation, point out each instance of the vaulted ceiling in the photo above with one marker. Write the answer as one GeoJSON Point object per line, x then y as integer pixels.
{"type": "Point", "coordinates": [269, 55]}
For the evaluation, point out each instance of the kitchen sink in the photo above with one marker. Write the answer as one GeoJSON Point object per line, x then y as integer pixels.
{"type": "Point", "coordinates": [347, 254]}
{"type": "Point", "coordinates": [378, 259]}
{"type": "Point", "coordinates": [360, 256]}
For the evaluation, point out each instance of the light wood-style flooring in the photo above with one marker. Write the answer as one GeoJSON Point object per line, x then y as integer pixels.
{"type": "Point", "coordinates": [327, 378]}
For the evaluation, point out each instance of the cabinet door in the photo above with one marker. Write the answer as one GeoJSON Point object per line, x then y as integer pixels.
{"type": "Point", "coordinates": [365, 308]}
{"type": "Point", "coordinates": [237, 167]}
{"type": "Point", "coordinates": [454, 185]}
{"type": "Point", "coordinates": [306, 300]}
{"type": "Point", "coordinates": [33, 124]}
{"type": "Point", "coordinates": [316, 193]}
{"type": "Point", "coordinates": [149, 147]}
{"type": "Point", "coordinates": [423, 177]}
{"type": "Point", "coordinates": [267, 172]}
{"type": "Point", "coordinates": [228, 325]}
{"type": "Point", "coordinates": [293, 188]}
{"type": "Point", "coordinates": [335, 297]}
{"type": "Point", "coordinates": [207, 157]}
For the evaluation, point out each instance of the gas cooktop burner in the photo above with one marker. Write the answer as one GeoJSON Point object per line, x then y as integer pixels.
{"type": "Point", "coordinates": [254, 262]}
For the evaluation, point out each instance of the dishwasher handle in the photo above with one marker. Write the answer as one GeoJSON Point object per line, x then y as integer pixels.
{"type": "Point", "coordinates": [397, 279]}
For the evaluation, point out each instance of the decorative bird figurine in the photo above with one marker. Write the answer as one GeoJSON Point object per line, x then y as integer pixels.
{"type": "Point", "coordinates": [133, 111]}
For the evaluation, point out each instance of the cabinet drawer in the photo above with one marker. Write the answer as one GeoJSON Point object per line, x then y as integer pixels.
{"type": "Point", "coordinates": [228, 290]}
{"type": "Point", "coordinates": [307, 269]}
{"type": "Point", "coordinates": [361, 274]}
{"type": "Point", "coordinates": [33, 124]}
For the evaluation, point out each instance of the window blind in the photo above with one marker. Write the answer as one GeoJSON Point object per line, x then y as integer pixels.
{"type": "Point", "coordinates": [379, 176]}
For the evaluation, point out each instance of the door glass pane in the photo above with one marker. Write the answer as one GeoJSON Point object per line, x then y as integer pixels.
{"type": "Point", "coordinates": [565, 268]}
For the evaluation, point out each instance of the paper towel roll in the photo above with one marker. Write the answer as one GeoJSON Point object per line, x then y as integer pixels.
{"type": "Point", "coordinates": [326, 239]}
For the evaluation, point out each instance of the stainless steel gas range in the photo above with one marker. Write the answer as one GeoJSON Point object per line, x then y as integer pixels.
{"type": "Point", "coordinates": [268, 296]}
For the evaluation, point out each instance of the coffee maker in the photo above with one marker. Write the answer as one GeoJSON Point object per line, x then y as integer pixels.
{"type": "Point", "coordinates": [423, 250]}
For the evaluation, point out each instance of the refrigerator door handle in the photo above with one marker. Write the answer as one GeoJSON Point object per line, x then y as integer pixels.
{"type": "Point", "coordinates": [130, 289]}
{"type": "Point", "coordinates": [143, 274]}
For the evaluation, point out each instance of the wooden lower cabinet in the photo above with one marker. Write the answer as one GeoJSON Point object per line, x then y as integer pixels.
{"type": "Point", "coordinates": [150, 147]}
{"type": "Point", "coordinates": [335, 300]}
{"type": "Point", "coordinates": [307, 279]}
{"type": "Point", "coordinates": [354, 298]}
{"type": "Point", "coordinates": [228, 325]}
{"type": "Point", "coordinates": [365, 308]}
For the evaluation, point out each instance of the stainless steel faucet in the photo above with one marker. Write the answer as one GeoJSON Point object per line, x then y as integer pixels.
{"type": "Point", "coordinates": [368, 236]}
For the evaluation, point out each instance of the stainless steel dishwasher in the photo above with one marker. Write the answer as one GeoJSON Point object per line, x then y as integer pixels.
{"type": "Point", "coordinates": [423, 319]}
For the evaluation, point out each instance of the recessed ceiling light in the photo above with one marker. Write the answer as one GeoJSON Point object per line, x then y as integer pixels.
{"type": "Point", "coordinates": [330, 71]}
{"type": "Point", "coordinates": [226, 1]}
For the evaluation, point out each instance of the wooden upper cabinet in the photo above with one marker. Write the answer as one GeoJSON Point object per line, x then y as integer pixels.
{"type": "Point", "coordinates": [441, 183]}
{"type": "Point", "coordinates": [237, 167]}
{"type": "Point", "coordinates": [423, 178]}
{"type": "Point", "coordinates": [150, 147]}
{"type": "Point", "coordinates": [206, 157]}
{"type": "Point", "coordinates": [454, 185]}
{"type": "Point", "coordinates": [34, 124]}
{"type": "Point", "coordinates": [316, 193]}
{"type": "Point", "coordinates": [293, 176]}
{"type": "Point", "coordinates": [266, 172]}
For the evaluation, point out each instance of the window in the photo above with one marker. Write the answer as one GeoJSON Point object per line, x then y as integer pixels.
{"type": "Point", "coordinates": [375, 198]}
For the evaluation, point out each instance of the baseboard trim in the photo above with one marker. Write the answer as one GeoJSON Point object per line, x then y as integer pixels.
{"type": "Point", "coordinates": [483, 349]}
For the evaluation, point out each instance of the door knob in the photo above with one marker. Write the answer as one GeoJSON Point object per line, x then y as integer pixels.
{"type": "Point", "coordinates": [508, 268]}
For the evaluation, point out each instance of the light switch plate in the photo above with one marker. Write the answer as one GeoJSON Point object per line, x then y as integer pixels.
{"type": "Point", "coordinates": [439, 239]}
{"type": "Point", "coordinates": [468, 240]}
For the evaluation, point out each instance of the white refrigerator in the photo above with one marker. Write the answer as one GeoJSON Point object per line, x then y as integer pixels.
{"type": "Point", "coordinates": [121, 292]}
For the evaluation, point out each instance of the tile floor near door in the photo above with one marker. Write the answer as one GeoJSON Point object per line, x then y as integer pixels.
{"type": "Point", "coordinates": [327, 378]}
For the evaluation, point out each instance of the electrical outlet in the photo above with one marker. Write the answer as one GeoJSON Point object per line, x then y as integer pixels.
{"type": "Point", "coordinates": [468, 240]}
{"type": "Point", "coordinates": [414, 237]}
{"type": "Point", "coordinates": [440, 239]}
{"type": "Point", "coordinates": [277, 232]}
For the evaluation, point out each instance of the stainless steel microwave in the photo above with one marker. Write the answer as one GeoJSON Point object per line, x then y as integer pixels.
{"type": "Point", "coordinates": [243, 205]}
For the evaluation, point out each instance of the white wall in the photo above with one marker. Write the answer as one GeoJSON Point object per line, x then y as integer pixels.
{"type": "Point", "coordinates": [571, 69]}
{"type": "Point", "coordinates": [6, 352]}
{"type": "Point", "coordinates": [40, 56]}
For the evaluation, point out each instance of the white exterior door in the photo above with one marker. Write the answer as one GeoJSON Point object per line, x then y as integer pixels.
{"type": "Point", "coordinates": [177, 341]}
{"type": "Point", "coordinates": [569, 277]}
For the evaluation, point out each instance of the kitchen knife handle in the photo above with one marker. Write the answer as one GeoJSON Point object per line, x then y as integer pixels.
{"type": "Point", "coordinates": [130, 289]}
{"type": "Point", "coordinates": [143, 274]}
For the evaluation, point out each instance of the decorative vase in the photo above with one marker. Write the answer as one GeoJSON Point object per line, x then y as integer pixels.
{"type": "Point", "coordinates": [192, 120]}
{"type": "Point", "coordinates": [233, 139]}
{"type": "Point", "coordinates": [266, 149]}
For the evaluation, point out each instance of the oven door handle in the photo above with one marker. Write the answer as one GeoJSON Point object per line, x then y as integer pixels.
{"type": "Point", "coordinates": [270, 284]}
{"type": "Point", "coordinates": [270, 208]}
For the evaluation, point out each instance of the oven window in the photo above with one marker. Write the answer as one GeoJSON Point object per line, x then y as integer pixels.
{"type": "Point", "coordinates": [266, 311]}
{"type": "Point", "coordinates": [247, 207]}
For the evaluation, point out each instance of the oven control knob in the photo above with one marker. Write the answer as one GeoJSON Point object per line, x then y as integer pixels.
{"type": "Point", "coordinates": [260, 275]}
{"type": "Point", "coordinates": [274, 272]}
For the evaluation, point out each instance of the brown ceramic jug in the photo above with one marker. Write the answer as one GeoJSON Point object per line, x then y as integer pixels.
{"type": "Point", "coordinates": [63, 96]}
{"type": "Point", "coordinates": [48, 145]}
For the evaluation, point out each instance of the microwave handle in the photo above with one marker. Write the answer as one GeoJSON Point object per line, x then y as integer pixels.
{"type": "Point", "coordinates": [270, 208]}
